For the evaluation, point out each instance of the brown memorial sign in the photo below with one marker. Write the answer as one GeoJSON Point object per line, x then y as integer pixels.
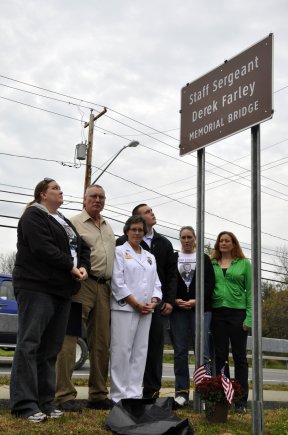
{"type": "Point", "coordinates": [231, 98]}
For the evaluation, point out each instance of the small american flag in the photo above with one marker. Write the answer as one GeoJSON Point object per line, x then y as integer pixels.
{"type": "Point", "coordinates": [202, 372]}
{"type": "Point", "coordinates": [227, 386]}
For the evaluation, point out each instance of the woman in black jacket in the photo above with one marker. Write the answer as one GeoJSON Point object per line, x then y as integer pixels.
{"type": "Point", "coordinates": [182, 319]}
{"type": "Point", "coordinates": [51, 261]}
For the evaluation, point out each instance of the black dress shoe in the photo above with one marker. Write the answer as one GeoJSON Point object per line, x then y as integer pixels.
{"type": "Point", "coordinates": [100, 404]}
{"type": "Point", "coordinates": [70, 406]}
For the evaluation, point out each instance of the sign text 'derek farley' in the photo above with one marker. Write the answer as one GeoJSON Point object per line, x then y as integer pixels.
{"type": "Point", "coordinates": [234, 96]}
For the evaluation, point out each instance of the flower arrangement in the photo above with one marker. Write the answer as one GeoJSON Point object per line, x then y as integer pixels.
{"type": "Point", "coordinates": [211, 389]}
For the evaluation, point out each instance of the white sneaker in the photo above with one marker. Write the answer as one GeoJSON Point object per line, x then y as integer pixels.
{"type": "Point", "coordinates": [56, 413]}
{"type": "Point", "coordinates": [37, 418]}
{"type": "Point", "coordinates": [180, 400]}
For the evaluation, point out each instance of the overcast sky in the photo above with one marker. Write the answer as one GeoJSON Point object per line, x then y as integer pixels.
{"type": "Point", "coordinates": [133, 58]}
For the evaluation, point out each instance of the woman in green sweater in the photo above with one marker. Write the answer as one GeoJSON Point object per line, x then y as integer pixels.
{"type": "Point", "coordinates": [231, 309]}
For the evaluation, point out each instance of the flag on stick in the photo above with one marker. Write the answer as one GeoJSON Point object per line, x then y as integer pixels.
{"type": "Point", "coordinates": [227, 386]}
{"type": "Point", "coordinates": [202, 372]}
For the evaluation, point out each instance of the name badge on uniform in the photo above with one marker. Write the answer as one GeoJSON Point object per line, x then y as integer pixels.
{"type": "Point", "coordinates": [127, 256]}
{"type": "Point", "coordinates": [149, 259]}
{"type": "Point", "coordinates": [122, 302]}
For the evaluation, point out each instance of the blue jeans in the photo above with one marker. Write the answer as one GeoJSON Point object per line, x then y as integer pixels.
{"type": "Point", "coordinates": [182, 324]}
{"type": "Point", "coordinates": [42, 322]}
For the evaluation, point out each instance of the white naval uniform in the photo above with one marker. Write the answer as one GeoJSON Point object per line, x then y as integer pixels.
{"type": "Point", "coordinates": [133, 274]}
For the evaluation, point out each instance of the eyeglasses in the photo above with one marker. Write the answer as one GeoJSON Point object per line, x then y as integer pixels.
{"type": "Point", "coordinates": [101, 197]}
{"type": "Point", "coordinates": [48, 180]}
{"type": "Point", "coordinates": [136, 230]}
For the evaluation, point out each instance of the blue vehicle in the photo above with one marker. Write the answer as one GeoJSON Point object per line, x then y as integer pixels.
{"type": "Point", "coordinates": [8, 313]}
{"type": "Point", "coordinates": [9, 321]}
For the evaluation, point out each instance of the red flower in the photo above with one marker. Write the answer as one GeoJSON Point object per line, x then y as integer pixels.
{"type": "Point", "coordinates": [210, 389]}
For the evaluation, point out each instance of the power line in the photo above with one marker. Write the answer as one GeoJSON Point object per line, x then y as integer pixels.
{"type": "Point", "coordinates": [39, 108]}
{"type": "Point", "coordinates": [124, 212]}
{"type": "Point", "coordinates": [127, 213]}
{"type": "Point", "coordinates": [8, 226]}
{"type": "Point", "coordinates": [70, 164]}
{"type": "Point", "coordinates": [96, 104]}
{"type": "Point", "coordinates": [123, 115]}
{"type": "Point", "coordinates": [63, 101]}
{"type": "Point", "coordinates": [211, 172]}
{"type": "Point", "coordinates": [44, 96]}
{"type": "Point", "coordinates": [190, 206]}
{"type": "Point", "coordinates": [158, 193]}
{"type": "Point", "coordinates": [119, 221]}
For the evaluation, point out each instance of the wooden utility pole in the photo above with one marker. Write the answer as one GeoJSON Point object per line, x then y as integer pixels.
{"type": "Point", "coordinates": [90, 124]}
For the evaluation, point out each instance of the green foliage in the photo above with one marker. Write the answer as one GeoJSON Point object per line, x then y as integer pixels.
{"type": "Point", "coordinates": [275, 315]}
{"type": "Point", "coordinates": [282, 267]}
{"type": "Point", "coordinates": [267, 289]}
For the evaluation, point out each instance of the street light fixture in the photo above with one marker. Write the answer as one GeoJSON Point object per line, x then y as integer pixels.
{"type": "Point", "coordinates": [134, 143]}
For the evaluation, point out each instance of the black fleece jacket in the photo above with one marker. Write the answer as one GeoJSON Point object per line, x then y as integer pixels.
{"type": "Point", "coordinates": [43, 260]}
{"type": "Point", "coordinates": [162, 250]}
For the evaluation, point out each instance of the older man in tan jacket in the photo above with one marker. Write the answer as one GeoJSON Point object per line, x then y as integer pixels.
{"type": "Point", "coordinates": [94, 296]}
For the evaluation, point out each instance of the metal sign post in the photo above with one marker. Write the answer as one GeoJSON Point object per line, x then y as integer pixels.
{"type": "Point", "coordinates": [257, 404]}
{"type": "Point", "coordinates": [199, 308]}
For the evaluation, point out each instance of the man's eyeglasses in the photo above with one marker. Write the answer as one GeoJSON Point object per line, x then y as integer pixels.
{"type": "Point", "coordinates": [48, 180]}
{"type": "Point", "coordinates": [136, 230]}
{"type": "Point", "coordinates": [101, 197]}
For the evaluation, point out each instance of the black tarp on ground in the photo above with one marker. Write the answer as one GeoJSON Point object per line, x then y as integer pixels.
{"type": "Point", "coordinates": [146, 417]}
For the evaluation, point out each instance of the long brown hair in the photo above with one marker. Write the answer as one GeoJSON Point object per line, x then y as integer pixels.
{"type": "Point", "coordinates": [42, 186]}
{"type": "Point", "coordinates": [236, 251]}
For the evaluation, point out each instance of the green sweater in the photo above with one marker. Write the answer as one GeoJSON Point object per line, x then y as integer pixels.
{"type": "Point", "coordinates": [234, 289]}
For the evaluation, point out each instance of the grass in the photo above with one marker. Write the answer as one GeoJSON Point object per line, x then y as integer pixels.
{"type": "Point", "coordinates": [92, 422]}
{"type": "Point", "coordinates": [6, 352]}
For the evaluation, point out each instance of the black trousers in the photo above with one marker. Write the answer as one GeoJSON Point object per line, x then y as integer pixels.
{"type": "Point", "coordinates": [227, 326]}
{"type": "Point", "coordinates": [42, 321]}
{"type": "Point", "coordinates": [153, 369]}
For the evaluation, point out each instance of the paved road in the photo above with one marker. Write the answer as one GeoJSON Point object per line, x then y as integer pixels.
{"type": "Point", "coordinates": [270, 376]}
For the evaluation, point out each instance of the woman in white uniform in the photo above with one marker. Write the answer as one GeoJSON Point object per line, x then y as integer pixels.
{"type": "Point", "coordinates": [136, 290]}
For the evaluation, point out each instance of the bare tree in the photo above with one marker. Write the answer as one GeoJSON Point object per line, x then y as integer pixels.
{"type": "Point", "coordinates": [282, 264]}
{"type": "Point", "coordinates": [7, 262]}
{"type": "Point", "coordinates": [208, 249]}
